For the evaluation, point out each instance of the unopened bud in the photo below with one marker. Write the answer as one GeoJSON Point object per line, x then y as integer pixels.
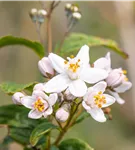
{"type": "Point", "coordinates": [33, 14]}
{"type": "Point", "coordinates": [115, 78]}
{"type": "Point", "coordinates": [45, 67]}
{"type": "Point", "coordinates": [107, 110]}
{"type": "Point", "coordinates": [77, 16]}
{"type": "Point", "coordinates": [39, 86]}
{"type": "Point", "coordinates": [68, 6]}
{"type": "Point", "coordinates": [17, 98]}
{"type": "Point", "coordinates": [62, 115]}
{"type": "Point", "coordinates": [74, 8]}
{"type": "Point", "coordinates": [41, 15]}
{"type": "Point", "coordinates": [68, 95]}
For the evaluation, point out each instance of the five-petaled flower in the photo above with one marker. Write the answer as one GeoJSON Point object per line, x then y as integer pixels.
{"type": "Point", "coordinates": [94, 100]}
{"type": "Point", "coordinates": [117, 80]}
{"type": "Point", "coordinates": [40, 103]}
{"type": "Point", "coordinates": [74, 73]}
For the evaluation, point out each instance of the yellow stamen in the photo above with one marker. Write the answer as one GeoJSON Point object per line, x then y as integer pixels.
{"type": "Point", "coordinates": [39, 105]}
{"type": "Point", "coordinates": [71, 56]}
{"type": "Point", "coordinates": [65, 62]}
{"type": "Point", "coordinates": [124, 71]}
{"type": "Point", "coordinates": [100, 99]}
{"type": "Point", "coordinates": [126, 79]}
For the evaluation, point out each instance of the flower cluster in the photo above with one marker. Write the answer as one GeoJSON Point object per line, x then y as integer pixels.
{"type": "Point", "coordinates": [72, 79]}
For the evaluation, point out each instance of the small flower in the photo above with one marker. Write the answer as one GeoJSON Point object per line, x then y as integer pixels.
{"type": "Point", "coordinates": [17, 98]}
{"type": "Point", "coordinates": [41, 15]}
{"type": "Point", "coordinates": [45, 67]}
{"type": "Point", "coordinates": [62, 115]}
{"type": "Point", "coordinates": [117, 80]}
{"type": "Point", "coordinates": [73, 73]}
{"type": "Point", "coordinates": [40, 104]}
{"type": "Point", "coordinates": [94, 100]}
{"type": "Point", "coordinates": [33, 14]}
{"type": "Point", "coordinates": [39, 86]}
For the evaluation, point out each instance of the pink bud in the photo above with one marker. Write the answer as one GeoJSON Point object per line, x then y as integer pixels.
{"type": "Point", "coordinates": [39, 86]}
{"type": "Point", "coordinates": [45, 67]}
{"type": "Point", "coordinates": [68, 95]}
{"type": "Point", "coordinates": [115, 78]}
{"type": "Point", "coordinates": [62, 115]}
{"type": "Point", "coordinates": [17, 98]}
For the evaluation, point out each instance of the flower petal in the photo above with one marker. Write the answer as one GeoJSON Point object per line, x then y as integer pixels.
{"type": "Point", "coordinates": [102, 63]}
{"type": "Point", "coordinates": [100, 86]}
{"type": "Point", "coordinates": [52, 99]}
{"type": "Point", "coordinates": [27, 101]}
{"type": "Point", "coordinates": [48, 112]}
{"type": "Point", "coordinates": [97, 114]}
{"type": "Point", "coordinates": [109, 100]}
{"type": "Point", "coordinates": [34, 114]}
{"type": "Point", "coordinates": [57, 62]}
{"type": "Point", "coordinates": [117, 97]}
{"type": "Point", "coordinates": [78, 88]}
{"type": "Point", "coordinates": [57, 84]}
{"type": "Point", "coordinates": [85, 105]}
{"type": "Point", "coordinates": [38, 93]}
{"type": "Point", "coordinates": [83, 54]}
{"type": "Point", "coordinates": [93, 75]}
{"type": "Point", "coordinates": [123, 87]}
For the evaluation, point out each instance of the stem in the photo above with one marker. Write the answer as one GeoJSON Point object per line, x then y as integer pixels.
{"type": "Point", "coordinates": [37, 25]}
{"type": "Point", "coordinates": [49, 33]}
{"type": "Point", "coordinates": [48, 142]}
{"type": "Point", "coordinates": [49, 29]}
{"type": "Point", "coordinates": [67, 126]}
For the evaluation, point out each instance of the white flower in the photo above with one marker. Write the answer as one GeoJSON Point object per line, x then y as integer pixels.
{"type": "Point", "coordinates": [62, 115]}
{"type": "Point", "coordinates": [39, 86]}
{"type": "Point", "coordinates": [17, 98]}
{"type": "Point", "coordinates": [94, 100]}
{"type": "Point", "coordinates": [74, 73]}
{"type": "Point", "coordinates": [116, 80]}
{"type": "Point", "coordinates": [104, 63]}
{"type": "Point", "coordinates": [40, 103]}
{"type": "Point", "coordinates": [45, 67]}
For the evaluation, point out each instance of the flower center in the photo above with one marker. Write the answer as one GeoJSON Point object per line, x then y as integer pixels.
{"type": "Point", "coordinates": [99, 99]}
{"type": "Point", "coordinates": [39, 105]}
{"type": "Point", "coordinates": [72, 65]}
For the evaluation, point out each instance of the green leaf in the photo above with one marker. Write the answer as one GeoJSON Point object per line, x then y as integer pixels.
{"type": "Point", "coordinates": [20, 135]}
{"type": "Point", "coordinates": [82, 116]}
{"type": "Point", "coordinates": [39, 131]}
{"type": "Point", "coordinates": [76, 40]}
{"type": "Point", "coordinates": [74, 144]}
{"type": "Point", "coordinates": [10, 87]}
{"type": "Point", "coordinates": [9, 112]}
{"type": "Point", "coordinates": [11, 40]}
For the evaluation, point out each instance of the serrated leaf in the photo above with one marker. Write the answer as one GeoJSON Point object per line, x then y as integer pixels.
{"type": "Point", "coordinates": [74, 144]}
{"type": "Point", "coordinates": [82, 116]}
{"type": "Point", "coordinates": [76, 40]}
{"type": "Point", "coordinates": [11, 40]}
{"type": "Point", "coordinates": [10, 87]}
{"type": "Point", "coordinates": [39, 131]}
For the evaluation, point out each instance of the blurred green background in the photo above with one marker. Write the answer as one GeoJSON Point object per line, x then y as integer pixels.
{"type": "Point", "coordinates": [113, 20]}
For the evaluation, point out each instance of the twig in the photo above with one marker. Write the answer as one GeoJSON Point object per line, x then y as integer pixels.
{"type": "Point", "coordinates": [49, 31]}
{"type": "Point", "coordinates": [37, 25]}
{"type": "Point", "coordinates": [67, 126]}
